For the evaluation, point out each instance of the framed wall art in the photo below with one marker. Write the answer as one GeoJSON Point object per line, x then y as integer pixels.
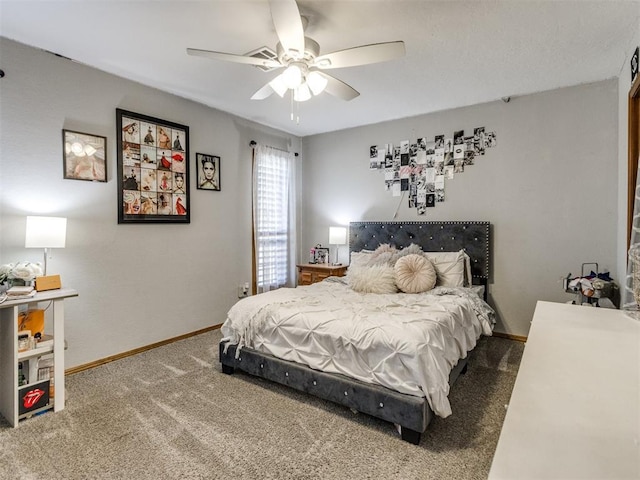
{"type": "Point", "coordinates": [321, 255]}
{"type": "Point", "coordinates": [84, 156]}
{"type": "Point", "coordinates": [153, 169]}
{"type": "Point", "coordinates": [208, 168]}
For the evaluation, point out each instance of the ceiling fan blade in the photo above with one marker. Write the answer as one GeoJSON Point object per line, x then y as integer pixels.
{"type": "Point", "coordinates": [288, 24]}
{"type": "Point", "coordinates": [338, 88]}
{"type": "Point", "coordinates": [351, 57]}
{"type": "Point", "coordinates": [263, 93]}
{"type": "Point", "coordinates": [229, 57]}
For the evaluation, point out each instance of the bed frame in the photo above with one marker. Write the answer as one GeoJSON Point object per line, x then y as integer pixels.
{"type": "Point", "coordinates": [412, 413]}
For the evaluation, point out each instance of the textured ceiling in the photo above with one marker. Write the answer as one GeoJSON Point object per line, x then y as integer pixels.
{"type": "Point", "coordinates": [458, 52]}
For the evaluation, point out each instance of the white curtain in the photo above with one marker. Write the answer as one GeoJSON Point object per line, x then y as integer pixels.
{"type": "Point", "coordinates": [274, 218]}
{"type": "Point", "coordinates": [627, 300]}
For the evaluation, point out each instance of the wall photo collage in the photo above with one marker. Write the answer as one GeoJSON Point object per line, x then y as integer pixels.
{"type": "Point", "coordinates": [421, 167]}
{"type": "Point", "coordinates": [153, 173]}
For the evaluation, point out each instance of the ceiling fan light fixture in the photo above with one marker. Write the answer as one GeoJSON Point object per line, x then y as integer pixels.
{"type": "Point", "coordinates": [317, 82]}
{"type": "Point", "coordinates": [292, 76]}
{"type": "Point", "coordinates": [302, 93]}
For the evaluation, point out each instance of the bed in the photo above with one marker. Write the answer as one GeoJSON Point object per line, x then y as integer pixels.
{"type": "Point", "coordinates": [392, 356]}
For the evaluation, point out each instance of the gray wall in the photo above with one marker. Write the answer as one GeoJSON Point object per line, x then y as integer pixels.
{"type": "Point", "coordinates": [138, 284]}
{"type": "Point", "coordinates": [549, 188]}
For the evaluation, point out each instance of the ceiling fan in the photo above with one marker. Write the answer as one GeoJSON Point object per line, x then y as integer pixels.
{"type": "Point", "coordinates": [300, 57]}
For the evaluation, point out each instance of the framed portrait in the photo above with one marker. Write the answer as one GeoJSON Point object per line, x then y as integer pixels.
{"type": "Point", "coordinates": [84, 156]}
{"type": "Point", "coordinates": [321, 255]}
{"type": "Point", "coordinates": [153, 169]}
{"type": "Point", "coordinates": [208, 168]}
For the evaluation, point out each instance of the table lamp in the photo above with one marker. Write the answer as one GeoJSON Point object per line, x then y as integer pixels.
{"type": "Point", "coordinates": [45, 232]}
{"type": "Point", "coordinates": [337, 237]}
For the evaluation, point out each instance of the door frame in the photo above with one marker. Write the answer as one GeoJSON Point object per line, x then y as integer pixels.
{"type": "Point", "coordinates": [633, 152]}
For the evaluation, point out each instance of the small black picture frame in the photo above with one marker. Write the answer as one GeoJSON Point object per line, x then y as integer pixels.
{"type": "Point", "coordinates": [208, 168]}
{"type": "Point", "coordinates": [321, 255]}
{"type": "Point", "coordinates": [634, 64]}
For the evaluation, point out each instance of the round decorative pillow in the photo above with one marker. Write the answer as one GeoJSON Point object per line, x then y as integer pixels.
{"type": "Point", "coordinates": [415, 274]}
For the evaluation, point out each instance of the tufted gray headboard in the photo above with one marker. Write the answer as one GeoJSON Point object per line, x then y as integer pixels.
{"type": "Point", "coordinates": [473, 237]}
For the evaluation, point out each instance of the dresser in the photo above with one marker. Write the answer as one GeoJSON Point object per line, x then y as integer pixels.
{"type": "Point", "coordinates": [309, 273]}
{"type": "Point", "coordinates": [575, 407]}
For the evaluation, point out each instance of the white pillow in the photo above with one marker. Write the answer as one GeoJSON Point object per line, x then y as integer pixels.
{"type": "Point", "coordinates": [415, 274]}
{"type": "Point", "coordinates": [453, 269]}
{"type": "Point", "coordinates": [373, 279]}
{"type": "Point", "coordinates": [360, 259]}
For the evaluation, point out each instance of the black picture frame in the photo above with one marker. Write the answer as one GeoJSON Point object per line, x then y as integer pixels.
{"type": "Point", "coordinates": [84, 156]}
{"type": "Point", "coordinates": [153, 169]}
{"type": "Point", "coordinates": [205, 179]}
{"type": "Point", "coordinates": [321, 255]}
{"type": "Point", "coordinates": [634, 64]}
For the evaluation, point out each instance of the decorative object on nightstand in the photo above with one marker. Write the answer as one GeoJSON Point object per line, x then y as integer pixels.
{"type": "Point", "coordinates": [309, 273]}
{"type": "Point", "coordinates": [337, 237]}
{"type": "Point", "coordinates": [320, 255]}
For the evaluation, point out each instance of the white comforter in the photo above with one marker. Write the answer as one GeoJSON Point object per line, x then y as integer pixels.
{"type": "Point", "coordinates": [406, 342]}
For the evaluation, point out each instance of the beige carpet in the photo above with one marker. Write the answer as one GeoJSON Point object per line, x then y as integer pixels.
{"type": "Point", "coordinates": [170, 413]}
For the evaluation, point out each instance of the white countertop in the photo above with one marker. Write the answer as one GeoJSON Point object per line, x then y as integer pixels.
{"type": "Point", "coordinates": [574, 410]}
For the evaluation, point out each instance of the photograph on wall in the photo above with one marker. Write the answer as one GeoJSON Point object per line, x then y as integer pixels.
{"type": "Point", "coordinates": [208, 167]}
{"type": "Point", "coordinates": [84, 156]}
{"type": "Point", "coordinates": [478, 140]}
{"type": "Point", "coordinates": [421, 157]}
{"type": "Point", "coordinates": [431, 200]}
{"type": "Point", "coordinates": [469, 150]}
{"type": "Point", "coordinates": [439, 188]}
{"type": "Point", "coordinates": [388, 156]}
{"type": "Point", "coordinates": [373, 157]}
{"type": "Point", "coordinates": [448, 145]}
{"type": "Point", "coordinates": [153, 173]}
{"type": "Point", "coordinates": [490, 139]}
{"type": "Point", "coordinates": [421, 168]}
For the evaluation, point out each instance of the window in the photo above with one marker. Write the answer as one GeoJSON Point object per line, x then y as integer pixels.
{"type": "Point", "coordinates": [273, 218]}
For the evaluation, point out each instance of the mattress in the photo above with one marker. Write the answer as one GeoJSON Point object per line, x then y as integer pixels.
{"type": "Point", "coordinates": [406, 342]}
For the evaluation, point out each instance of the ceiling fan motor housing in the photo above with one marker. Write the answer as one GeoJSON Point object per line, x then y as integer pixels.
{"type": "Point", "coordinates": [311, 51]}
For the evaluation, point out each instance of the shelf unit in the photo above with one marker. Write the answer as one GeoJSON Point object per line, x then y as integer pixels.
{"type": "Point", "coordinates": [10, 357]}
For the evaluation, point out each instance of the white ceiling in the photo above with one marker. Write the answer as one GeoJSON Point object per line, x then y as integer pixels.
{"type": "Point", "coordinates": [458, 52]}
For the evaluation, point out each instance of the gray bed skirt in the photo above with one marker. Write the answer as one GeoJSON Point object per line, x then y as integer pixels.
{"type": "Point", "coordinates": [412, 413]}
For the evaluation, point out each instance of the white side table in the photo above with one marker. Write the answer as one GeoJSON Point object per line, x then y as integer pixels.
{"type": "Point", "coordinates": [9, 355]}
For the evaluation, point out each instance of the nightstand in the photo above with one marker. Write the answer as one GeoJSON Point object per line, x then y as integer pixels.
{"type": "Point", "coordinates": [309, 273]}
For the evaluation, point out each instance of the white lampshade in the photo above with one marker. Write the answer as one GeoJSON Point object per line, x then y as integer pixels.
{"type": "Point", "coordinates": [302, 93]}
{"type": "Point", "coordinates": [337, 235]}
{"type": "Point", "coordinates": [317, 82]}
{"type": "Point", "coordinates": [292, 76]}
{"type": "Point", "coordinates": [45, 232]}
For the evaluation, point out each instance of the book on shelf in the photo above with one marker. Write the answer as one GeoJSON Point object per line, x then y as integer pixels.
{"type": "Point", "coordinates": [19, 290]}
{"type": "Point", "coordinates": [16, 293]}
